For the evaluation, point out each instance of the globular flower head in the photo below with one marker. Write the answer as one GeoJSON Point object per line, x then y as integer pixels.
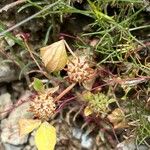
{"type": "Point", "coordinates": [43, 106]}
{"type": "Point", "coordinates": [79, 70]}
{"type": "Point", "coordinates": [98, 103]}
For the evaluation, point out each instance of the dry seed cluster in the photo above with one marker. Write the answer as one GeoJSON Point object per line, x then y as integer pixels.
{"type": "Point", "coordinates": [79, 70]}
{"type": "Point", "coordinates": [43, 106]}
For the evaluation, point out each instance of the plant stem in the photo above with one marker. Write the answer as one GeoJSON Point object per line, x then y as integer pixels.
{"type": "Point", "coordinates": [32, 56]}
{"type": "Point", "coordinates": [11, 5]}
{"type": "Point", "coordinates": [65, 92]}
{"type": "Point", "coordinates": [73, 54]}
{"type": "Point", "coordinates": [140, 27]}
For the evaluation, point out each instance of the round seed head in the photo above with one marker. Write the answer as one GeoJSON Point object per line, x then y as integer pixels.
{"type": "Point", "coordinates": [43, 106]}
{"type": "Point", "coordinates": [79, 70]}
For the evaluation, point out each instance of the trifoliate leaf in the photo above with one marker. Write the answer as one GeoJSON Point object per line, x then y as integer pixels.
{"type": "Point", "coordinates": [45, 137]}
{"type": "Point", "coordinates": [27, 125]}
{"type": "Point", "coordinates": [38, 85]}
{"type": "Point", "coordinates": [54, 56]}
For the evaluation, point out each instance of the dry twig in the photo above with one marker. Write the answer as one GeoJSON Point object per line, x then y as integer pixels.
{"type": "Point", "coordinates": [11, 5]}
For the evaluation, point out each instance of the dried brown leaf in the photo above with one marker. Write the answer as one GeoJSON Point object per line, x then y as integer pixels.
{"type": "Point", "coordinates": [54, 56]}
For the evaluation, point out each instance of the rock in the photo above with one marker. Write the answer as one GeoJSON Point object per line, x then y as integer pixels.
{"type": "Point", "coordinates": [1, 146]}
{"type": "Point", "coordinates": [34, 148]}
{"type": "Point", "coordinates": [130, 144]}
{"type": "Point", "coordinates": [10, 133]}
{"type": "Point", "coordinates": [31, 141]}
{"type": "Point", "coordinates": [20, 112]}
{"type": "Point", "coordinates": [7, 74]}
{"type": "Point", "coordinates": [9, 126]}
{"type": "Point", "coordinates": [86, 141]}
{"type": "Point", "coordinates": [143, 147]}
{"type": "Point", "coordinates": [28, 147]}
{"type": "Point", "coordinates": [5, 104]}
{"type": "Point", "coordinates": [12, 147]}
{"type": "Point", "coordinates": [18, 88]}
{"type": "Point", "coordinates": [3, 89]}
{"type": "Point", "coordinates": [147, 3]}
{"type": "Point", "coordinates": [126, 145]}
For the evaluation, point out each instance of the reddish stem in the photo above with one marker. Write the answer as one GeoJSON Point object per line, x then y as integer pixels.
{"type": "Point", "coordinates": [63, 104]}
{"type": "Point", "coordinates": [65, 92]}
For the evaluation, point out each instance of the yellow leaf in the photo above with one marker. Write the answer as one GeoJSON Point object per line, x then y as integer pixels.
{"type": "Point", "coordinates": [122, 124]}
{"type": "Point", "coordinates": [45, 137]}
{"type": "Point", "coordinates": [87, 111]}
{"type": "Point", "coordinates": [117, 118]}
{"type": "Point", "coordinates": [54, 56]}
{"type": "Point", "coordinates": [28, 125]}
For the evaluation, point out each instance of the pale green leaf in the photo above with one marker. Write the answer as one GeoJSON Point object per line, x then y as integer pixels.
{"type": "Point", "coordinates": [38, 85]}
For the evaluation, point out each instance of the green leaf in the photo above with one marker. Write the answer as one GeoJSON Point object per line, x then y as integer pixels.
{"type": "Point", "coordinates": [38, 85]}
{"type": "Point", "coordinates": [45, 137]}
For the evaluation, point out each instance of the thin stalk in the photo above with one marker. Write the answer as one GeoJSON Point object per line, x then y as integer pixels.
{"type": "Point", "coordinates": [11, 5]}
{"type": "Point", "coordinates": [65, 92]}
{"type": "Point", "coordinates": [32, 56]}
{"type": "Point", "coordinates": [138, 28]}
{"type": "Point", "coordinates": [73, 54]}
